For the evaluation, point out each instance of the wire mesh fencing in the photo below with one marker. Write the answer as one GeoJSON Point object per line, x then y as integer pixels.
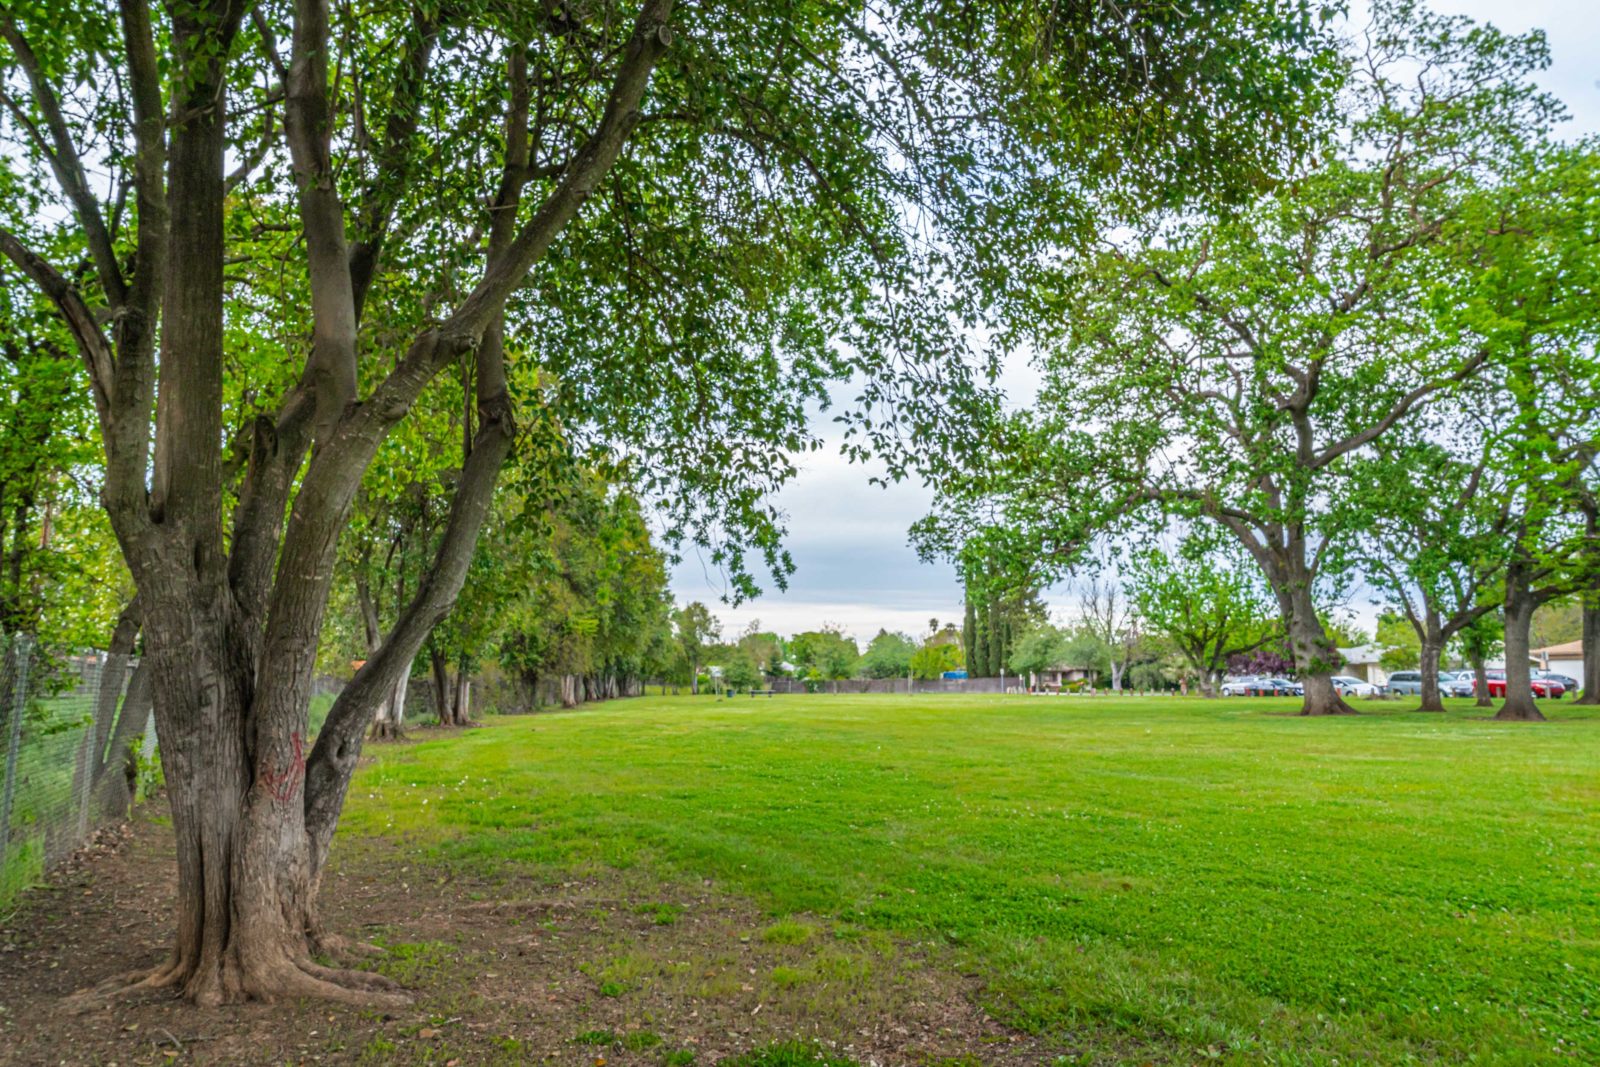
{"type": "Point", "coordinates": [77, 735]}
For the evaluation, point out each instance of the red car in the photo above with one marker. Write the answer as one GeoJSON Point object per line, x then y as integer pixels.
{"type": "Point", "coordinates": [1542, 687]}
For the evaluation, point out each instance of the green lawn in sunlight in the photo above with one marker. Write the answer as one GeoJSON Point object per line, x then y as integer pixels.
{"type": "Point", "coordinates": [1222, 880]}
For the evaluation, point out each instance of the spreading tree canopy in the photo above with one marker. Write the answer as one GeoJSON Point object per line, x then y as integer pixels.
{"type": "Point", "coordinates": [1228, 368]}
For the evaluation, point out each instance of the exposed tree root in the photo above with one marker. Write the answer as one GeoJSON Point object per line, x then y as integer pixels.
{"type": "Point", "coordinates": [287, 979]}
{"type": "Point", "coordinates": [166, 976]}
{"type": "Point", "coordinates": [1519, 711]}
{"type": "Point", "coordinates": [1338, 707]}
{"type": "Point", "coordinates": [313, 981]}
{"type": "Point", "coordinates": [339, 947]}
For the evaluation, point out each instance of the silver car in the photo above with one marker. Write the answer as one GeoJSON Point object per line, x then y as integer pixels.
{"type": "Point", "coordinates": [1348, 685]}
{"type": "Point", "coordinates": [1401, 683]}
{"type": "Point", "coordinates": [1238, 687]}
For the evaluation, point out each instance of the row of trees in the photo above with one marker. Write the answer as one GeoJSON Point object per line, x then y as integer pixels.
{"type": "Point", "coordinates": [1196, 609]}
{"type": "Point", "coordinates": [1380, 370]}
{"type": "Point", "coordinates": [821, 655]}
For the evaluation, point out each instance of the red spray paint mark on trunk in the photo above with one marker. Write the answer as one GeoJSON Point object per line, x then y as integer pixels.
{"type": "Point", "coordinates": [281, 785]}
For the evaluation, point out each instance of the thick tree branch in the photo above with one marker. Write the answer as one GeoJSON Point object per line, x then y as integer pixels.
{"type": "Point", "coordinates": [308, 121]}
{"type": "Point", "coordinates": [490, 385]}
{"type": "Point", "coordinates": [304, 570]}
{"type": "Point", "coordinates": [80, 321]}
{"type": "Point", "coordinates": [1400, 409]}
{"type": "Point", "coordinates": [338, 744]}
{"type": "Point", "coordinates": [651, 37]}
{"type": "Point", "coordinates": [66, 163]}
{"type": "Point", "coordinates": [133, 392]}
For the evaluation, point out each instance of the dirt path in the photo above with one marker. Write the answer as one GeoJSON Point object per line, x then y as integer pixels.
{"type": "Point", "coordinates": [618, 970]}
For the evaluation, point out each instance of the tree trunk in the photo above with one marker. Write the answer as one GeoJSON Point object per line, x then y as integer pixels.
{"type": "Point", "coordinates": [1519, 704]}
{"type": "Point", "coordinates": [1116, 675]}
{"type": "Point", "coordinates": [121, 712]}
{"type": "Point", "coordinates": [390, 722]}
{"type": "Point", "coordinates": [1432, 649]}
{"type": "Point", "coordinates": [117, 777]}
{"type": "Point", "coordinates": [245, 890]}
{"type": "Point", "coordinates": [1480, 682]}
{"type": "Point", "coordinates": [462, 706]}
{"type": "Point", "coordinates": [1315, 656]}
{"type": "Point", "coordinates": [442, 691]}
{"type": "Point", "coordinates": [1591, 649]}
{"type": "Point", "coordinates": [114, 674]}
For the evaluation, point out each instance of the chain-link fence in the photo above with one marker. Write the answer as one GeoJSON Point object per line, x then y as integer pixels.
{"type": "Point", "coordinates": [76, 736]}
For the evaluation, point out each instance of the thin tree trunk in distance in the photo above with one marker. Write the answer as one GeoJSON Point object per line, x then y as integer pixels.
{"type": "Point", "coordinates": [1480, 682]}
{"type": "Point", "coordinates": [462, 709]}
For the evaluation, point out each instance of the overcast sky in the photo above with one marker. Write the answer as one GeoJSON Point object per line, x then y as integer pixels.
{"type": "Point", "coordinates": [848, 538]}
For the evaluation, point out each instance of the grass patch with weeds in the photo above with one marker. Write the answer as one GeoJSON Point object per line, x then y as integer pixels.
{"type": "Point", "coordinates": [640, 1040]}
{"type": "Point", "coordinates": [789, 1054]}
{"type": "Point", "coordinates": [661, 914]}
{"type": "Point", "coordinates": [787, 977]}
{"type": "Point", "coordinates": [788, 932]}
{"type": "Point", "coordinates": [412, 962]}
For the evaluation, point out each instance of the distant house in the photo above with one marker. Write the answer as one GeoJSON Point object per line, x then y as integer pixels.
{"type": "Point", "coordinates": [1059, 676]}
{"type": "Point", "coordinates": [1564, 659]}
{"type": "Point", "coordinates": [1363, 662]}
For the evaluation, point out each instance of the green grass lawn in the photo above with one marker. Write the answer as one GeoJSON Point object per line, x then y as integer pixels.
{"type": "Point", "coordinates": [1211, 880]}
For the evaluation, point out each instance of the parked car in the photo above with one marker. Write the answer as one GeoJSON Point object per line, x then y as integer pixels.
{"type": "Point", "coordinates": [1276, 687]}
{"type": "Point", "coordinates": [1465, 684]}
{"type": "Point", "coordinates": [1402, 683]}
{"type": "Point", "coordinates": [1544, 688]}
{"type": "Point", "coordinates": [1238, 687]}
{"type": "Point", "coordinates": [1350, 686]}
{"type": "Point", "coordinates": [1568, 685]}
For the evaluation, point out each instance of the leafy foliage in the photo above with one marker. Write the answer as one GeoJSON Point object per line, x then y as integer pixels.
{"type": "Point", "coordinates": [888, 655]}
{"type": "Point", "coordinates": [1205, 600]}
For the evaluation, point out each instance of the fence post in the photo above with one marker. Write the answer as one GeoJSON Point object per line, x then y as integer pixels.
{"type": "Point", "coordinates": [14, 742]}
{"type": "Point", "coordinates": [88, 757]}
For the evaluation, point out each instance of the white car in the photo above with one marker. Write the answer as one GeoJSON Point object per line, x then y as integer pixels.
{"type": "Point", "coordinates": [1350, 686]}
{"type": "Point", "coordinates": [1238, 687]}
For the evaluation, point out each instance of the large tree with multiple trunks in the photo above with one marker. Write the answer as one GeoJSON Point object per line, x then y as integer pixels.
{"type": "Point", "coordinates": [285, 223]}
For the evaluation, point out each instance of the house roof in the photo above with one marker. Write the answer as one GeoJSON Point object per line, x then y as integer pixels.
{"type": "Point", "coordinates": [1357, 657]}
{"type": "Point", "coordinates": [1570, 648]}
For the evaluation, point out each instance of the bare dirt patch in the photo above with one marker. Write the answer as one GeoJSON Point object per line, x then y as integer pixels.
{"type": "Point", "coordinates": [619, 969]}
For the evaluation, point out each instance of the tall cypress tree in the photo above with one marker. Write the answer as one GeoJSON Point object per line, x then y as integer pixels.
{"type": "Point", "coordinates": [980, 644]}
{"type": "Point", "coordinates": [969, 627]}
